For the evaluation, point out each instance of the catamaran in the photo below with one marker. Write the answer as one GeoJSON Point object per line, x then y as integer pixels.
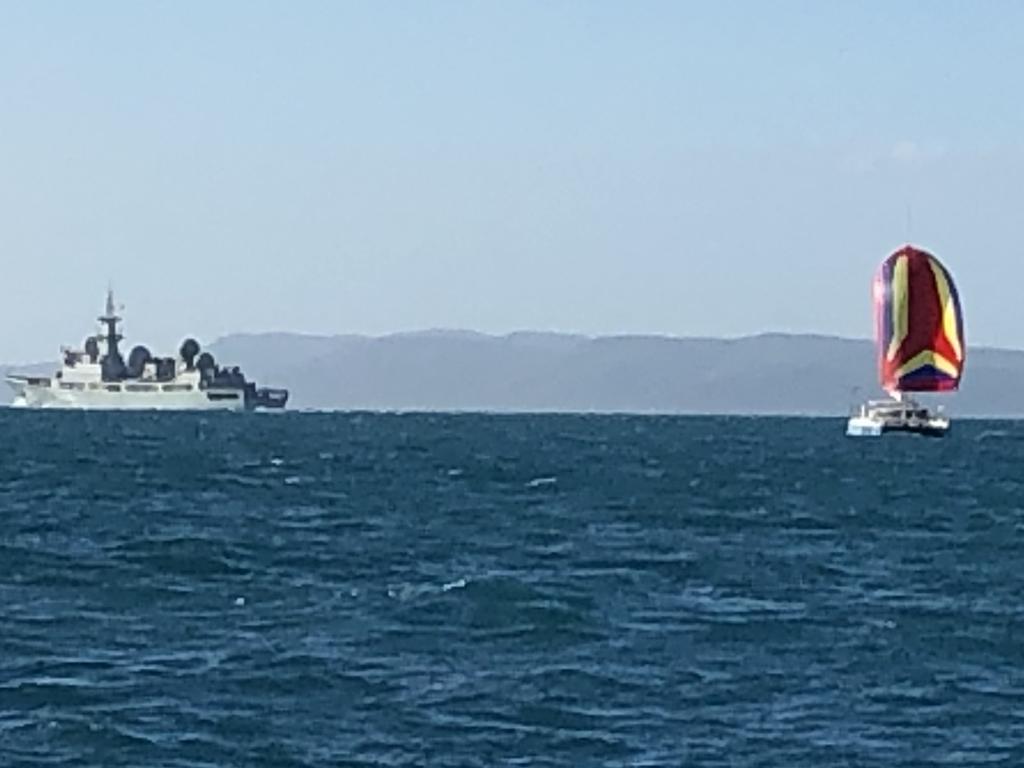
{"type": "Point", "coordinates": [919, 329]}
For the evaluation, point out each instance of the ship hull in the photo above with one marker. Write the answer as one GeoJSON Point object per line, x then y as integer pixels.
{"type": "Point", "coordinates": [875, 427]}
{"type": "Point", "coordinates": [35, 395]}
{"type": "Point", "coordinates": [877, 418]}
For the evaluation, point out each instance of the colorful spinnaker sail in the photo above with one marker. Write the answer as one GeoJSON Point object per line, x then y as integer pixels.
{"type": "Point", "coordinates": [919, 324]}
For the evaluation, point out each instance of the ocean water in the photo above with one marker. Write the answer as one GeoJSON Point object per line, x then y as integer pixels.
{"type": "Point", "coordinates": [470, 590]}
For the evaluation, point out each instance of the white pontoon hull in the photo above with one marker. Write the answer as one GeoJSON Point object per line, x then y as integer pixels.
{"type": "Point", "coordinates": [874, 419]}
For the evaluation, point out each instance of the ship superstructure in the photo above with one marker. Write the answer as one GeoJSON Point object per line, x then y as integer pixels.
{"type": "Point", "coordinates": [97, 376]}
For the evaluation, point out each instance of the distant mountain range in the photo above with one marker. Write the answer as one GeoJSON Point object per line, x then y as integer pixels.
{"type": "Point", "coordinates": [467, 371]}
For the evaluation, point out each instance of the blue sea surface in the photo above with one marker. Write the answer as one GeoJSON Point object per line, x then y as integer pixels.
{"type": "Point", "coordinates": [476, 590]}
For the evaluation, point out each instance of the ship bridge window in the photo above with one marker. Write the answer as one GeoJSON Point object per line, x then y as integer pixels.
{"type": "Point", "coordinates": [140, 387]}
{"type": "Point", "coordinates": [72, 385]}
{"type": "Point", "coordinates": [113, 387]}
{"type": "Point", "coordinates": [177, 387]}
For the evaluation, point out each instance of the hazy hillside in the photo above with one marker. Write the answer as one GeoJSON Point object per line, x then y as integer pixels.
{"type": "Point", "coordinates": [772, 373]}
{"type": "Point", "coordinates": [445, 370]}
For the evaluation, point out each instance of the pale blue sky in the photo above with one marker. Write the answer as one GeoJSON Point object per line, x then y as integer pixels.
{"type": "Point", "coordinates": [713, 168]}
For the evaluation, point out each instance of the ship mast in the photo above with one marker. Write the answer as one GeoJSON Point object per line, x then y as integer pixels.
{"type": "Point", "coordinates": [112, 364]}
{"type": "Point", "coordinates": [110, 320]}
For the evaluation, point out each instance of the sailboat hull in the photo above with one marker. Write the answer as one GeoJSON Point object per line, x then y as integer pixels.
{"type": "Point", "coordinates": [877, 418]}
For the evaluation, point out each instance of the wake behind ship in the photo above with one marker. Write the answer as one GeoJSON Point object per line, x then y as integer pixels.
{"type": "Point", "coordinates": [97, 376]}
